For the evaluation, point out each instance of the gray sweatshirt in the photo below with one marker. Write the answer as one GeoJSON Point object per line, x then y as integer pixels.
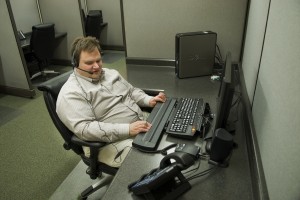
{"type": "Point", "coordinates": [100, 110]}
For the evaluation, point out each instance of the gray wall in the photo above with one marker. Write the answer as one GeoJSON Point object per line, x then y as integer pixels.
{"type": "Point", "coordinates": [151, 26]}
{"type": "Point", "coordinates": [25, 14]}
{"type": "Point", "coordinates": [256, 27]}
{"type": "Point", "coordinates": [12, 72]}
{"type": "Point", "coordinates": [277, 92]}
{"type": "Point", "coordinates": [64, 14]}
{"type": "Point", "coordinates": [111, 35]}
{"type": "Point", "coordinates": [66, 17]}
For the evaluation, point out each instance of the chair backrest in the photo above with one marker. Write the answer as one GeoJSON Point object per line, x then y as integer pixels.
{"type": "Point", "coordinates": [93, 23]}
{"type": "Point", "coordinates": [51, 90]}
{"type": "Point", "coordinates": [42, 40]}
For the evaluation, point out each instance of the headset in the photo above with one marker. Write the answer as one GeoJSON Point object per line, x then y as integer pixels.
{"type": "Point", "coordinates": [182, 160]}
{"type": "Point", "coordinates": [75, 64]}
{"type": "Point", "coordinates": [73, 61]}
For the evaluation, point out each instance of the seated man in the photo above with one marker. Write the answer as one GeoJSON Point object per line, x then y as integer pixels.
{"type": "Point", "coordinates": [98, 104]}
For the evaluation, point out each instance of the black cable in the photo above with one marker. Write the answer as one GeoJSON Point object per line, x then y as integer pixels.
{"type": "Point", "coordinates": [204, 156]}
{"type": "Point", "coordinates": [219, 51]}
{"type": "Point", "coordinates": [238, 99]}
{"type": "Point", "coordinates": [237, 111]}
{"type": "Point", "coordinates": [119, 154]}
{"type": "Point", "coordinates": [201, 173]}
{"type": "Point", "coordinates": [162, 151]}
{"type": "Point", "coordinates": [95, 116]}
{"type": "Point", "coordinates": [196, 168]}
{"type": "Point", "coordinates": [218, 59]}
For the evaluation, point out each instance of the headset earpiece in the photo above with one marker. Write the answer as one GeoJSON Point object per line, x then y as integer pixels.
{"type": "Point", "coordinates": [73, 61]}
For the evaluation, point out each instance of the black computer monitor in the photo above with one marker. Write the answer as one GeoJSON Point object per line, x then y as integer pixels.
{"type": "Point", "coordinates": [225, 96]}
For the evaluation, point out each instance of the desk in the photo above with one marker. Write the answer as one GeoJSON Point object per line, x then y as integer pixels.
{"type": "Point", "coordinates": [233, 182]}
{"type": "Point", "coordinates": [26, 42]}
{"type": "Point", "coordinates": [103, 25]}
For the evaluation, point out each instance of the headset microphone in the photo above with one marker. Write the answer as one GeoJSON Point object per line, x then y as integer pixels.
{"type": "Point", "coordinates": [75, 64]}
{"type": "Point", "coordinates": [90, 72]}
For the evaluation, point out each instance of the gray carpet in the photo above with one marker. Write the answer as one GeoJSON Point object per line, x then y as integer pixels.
{"type": "Point", "coordinates": [78, 181]}
{"type": "Point", "coordinates": [33, 161]}
{"type": "Point", "coordinates": [7, 114]}
{"type": "Point", "coordinates": [112, 56]}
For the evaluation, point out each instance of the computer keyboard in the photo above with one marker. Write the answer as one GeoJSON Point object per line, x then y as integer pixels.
{"type": "Point", "coordinates": [186, 119]}
{"type": "Point", "coordinates": [177, 117]}
{"type": "Point", "coordinates": [158, 118]}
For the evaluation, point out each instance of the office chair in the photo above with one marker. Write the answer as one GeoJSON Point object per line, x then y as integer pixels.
{"type": "Point", "coordinates": [42, 47]}
{"type": "Point", "coordinates": [93, 24]}
{"type": "Point", "coordinates": [95, 169]}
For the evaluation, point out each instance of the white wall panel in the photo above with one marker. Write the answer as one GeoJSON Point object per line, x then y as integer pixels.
{"type": "Point", "coordinates": [66, 17]}
{"type": "Point", "coordinates": [25, 14]}
{"type": "Point", "coordinates": [151, 25]}
{"type": "Point", "coordinates": [111, 11]}
{"type": "Point", "coordinates": [276, 109]}
{"type": "Point", "coordinates": [258, 14]}
{"type": "Point", "coordinates": [12, 70]}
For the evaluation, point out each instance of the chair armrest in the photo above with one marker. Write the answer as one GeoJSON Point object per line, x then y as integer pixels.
{"type": "Point", "coordinates": [152, 92]}
{"type": "Point", "coordinates": [80, 142]}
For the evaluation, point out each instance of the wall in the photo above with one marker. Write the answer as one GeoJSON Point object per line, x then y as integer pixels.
{"type": "Point", "coordinates": [64, 14]}
{"type": "Point", "coordinates": [276, 94]}
{"type": "Point", "coordinates": [256, 28]}
{"type": "Point", "coordinates": [66, 17]}
{"type": "Point", "coordinates": [13, 74]}
{"type": "Point", "coordinates": [111, 35]}
{"type": "Point", "coordinates": [25, 14]}
{"type": "Point", "coordinates": [151, 26]}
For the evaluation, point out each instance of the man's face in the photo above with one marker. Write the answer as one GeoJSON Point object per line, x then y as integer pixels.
{"type": "Point", "coordinates": [92, 62]}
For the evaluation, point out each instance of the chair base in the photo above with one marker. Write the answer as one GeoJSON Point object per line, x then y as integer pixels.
{"type": "Point", "coordinates": [44, 73]}
{"type": "Point", "coordinates": [93, 188]}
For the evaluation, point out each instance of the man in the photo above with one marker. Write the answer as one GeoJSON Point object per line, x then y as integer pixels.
{"type": "Point", "coordinates": [98, 104]}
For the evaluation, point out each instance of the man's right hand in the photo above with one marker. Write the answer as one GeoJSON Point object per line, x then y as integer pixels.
{"type": "Point", "coordinates": [138, 127]}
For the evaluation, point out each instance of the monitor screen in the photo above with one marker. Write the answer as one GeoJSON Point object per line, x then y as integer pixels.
{"type": "Point", "coordinates": [226, 93]}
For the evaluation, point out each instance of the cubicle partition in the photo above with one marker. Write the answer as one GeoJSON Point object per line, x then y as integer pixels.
{"type": "Point", "coordinates": [19, 15]}
{"type": "Point", "coordinates": [112, 35]}
{"type": "Point", "coordinates": [25, 14]}
{"type": "Point", "coordinates": [14, 74]}
{"type": "Point", "coordinates": [271, 70]}
{"type": "Point", "coordinates": [64, 14]}
{"type": "Point", "coordinates": [150, 26]}
{"type": "Point", "coordinates": [67, 18]}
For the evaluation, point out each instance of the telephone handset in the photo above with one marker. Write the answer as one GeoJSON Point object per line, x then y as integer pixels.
{"type": "Point", "coordinates": [153, 179]}
{"type": "Point", "coordinates": [162, 179]}
{"type": "Point", "coordinates": [182, 160]}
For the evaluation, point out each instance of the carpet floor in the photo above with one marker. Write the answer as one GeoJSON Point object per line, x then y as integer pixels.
{"type": "Point", "coordinates": [33, 160]}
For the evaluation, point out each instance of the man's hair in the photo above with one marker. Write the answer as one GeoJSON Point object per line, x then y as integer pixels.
{"type": "Point", "coordinates": [83, 44]}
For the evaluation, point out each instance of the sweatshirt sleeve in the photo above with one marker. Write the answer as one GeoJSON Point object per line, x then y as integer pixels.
{"type": "Point", "coordinates": [137, 94]}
